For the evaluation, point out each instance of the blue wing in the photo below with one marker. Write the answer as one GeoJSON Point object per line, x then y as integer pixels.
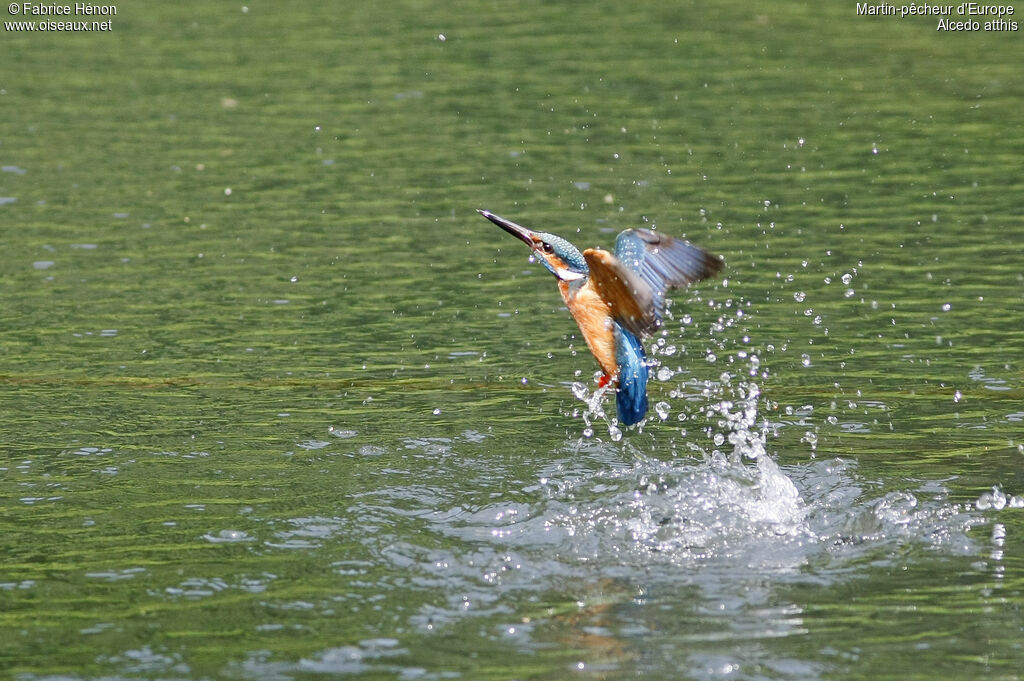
{"type": "Point", "coordinates": [663, 263]}
{"type": "Point", "coordinates": [631, 395]}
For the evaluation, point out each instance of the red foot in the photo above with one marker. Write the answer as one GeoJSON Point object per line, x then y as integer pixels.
{"type": "Point", "coordinates": [604, 380]}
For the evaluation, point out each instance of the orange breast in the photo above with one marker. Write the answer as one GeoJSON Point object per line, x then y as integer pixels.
{"type": "Point", "coordinates": [592, 316]}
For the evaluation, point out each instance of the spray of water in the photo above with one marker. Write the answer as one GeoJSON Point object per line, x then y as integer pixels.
{"type": "Point", "coordinates": [725, 489]}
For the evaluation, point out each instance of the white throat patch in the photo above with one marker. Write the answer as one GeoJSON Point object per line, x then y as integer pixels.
{"type": "Point", "coordinates": [567, 275]}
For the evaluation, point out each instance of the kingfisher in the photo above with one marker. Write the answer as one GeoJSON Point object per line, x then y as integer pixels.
{"type": "Point", "coordinates": [618, 299]}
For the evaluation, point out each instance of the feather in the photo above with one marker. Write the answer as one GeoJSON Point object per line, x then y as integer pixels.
{"type": "Point", "coordinates": [629, 298]}
{"type": "Point", "coordinates": [663, 263]}
{"type": "Point", "coordinates": [631, 393]}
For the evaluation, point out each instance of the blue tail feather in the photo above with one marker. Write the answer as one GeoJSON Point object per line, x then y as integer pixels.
{"type": "Point", "coordinates": [631, 396]}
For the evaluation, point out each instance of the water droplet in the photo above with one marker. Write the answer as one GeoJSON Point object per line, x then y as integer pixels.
{"type": "Point", "coordinates": [579, 390]}
{"type": "Point", "coordinates": [799, 296]}
{"type": "Point", "coordinates": [994, 499]}
{"type": "Point", "coordinates": [805, 359]}
{"type": "Point", "coordinates": [437, 412]}
{"type": "Point", "coordinates": [946, 307]}
{"type": "Point", "coordinates": [957, 396]}
{"type": "Point", "coordinates": [294, 279]}
{"type": "Point", "coordinates": [663, 410]}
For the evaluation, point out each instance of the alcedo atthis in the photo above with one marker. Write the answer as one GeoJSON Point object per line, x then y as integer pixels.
{"type": "Point", "coordinates": [618, 300]}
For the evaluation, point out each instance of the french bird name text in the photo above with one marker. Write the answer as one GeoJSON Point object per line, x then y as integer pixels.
{"type": "Point", "coordinates": [993, 15]}
{"type": "Point", "coordinates": [965, 9]}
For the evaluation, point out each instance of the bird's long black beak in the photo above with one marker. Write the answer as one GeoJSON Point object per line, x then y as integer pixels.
{"type": "Point", "coordinates": [518, 231]}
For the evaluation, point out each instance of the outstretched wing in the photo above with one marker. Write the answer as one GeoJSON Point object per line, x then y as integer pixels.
{"type": "Point", "coordinates": [629, 298]}
{"type": "Point", "coordinates": [663, 263]}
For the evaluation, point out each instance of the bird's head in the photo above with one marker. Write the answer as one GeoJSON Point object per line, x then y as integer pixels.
{"type": "Point", "coordinates": [558, 255]}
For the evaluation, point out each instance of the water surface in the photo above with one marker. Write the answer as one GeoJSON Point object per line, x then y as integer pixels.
{"type": "Point", "coordinates": [278, 404]}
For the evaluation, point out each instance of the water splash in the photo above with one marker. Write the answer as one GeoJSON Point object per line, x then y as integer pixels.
{"type": "Point", "coordinates": [721, 498]}
{"type": "Point", "coordinates": [667, 512]}
{"type": "Point", "coordinates": [594, 411]}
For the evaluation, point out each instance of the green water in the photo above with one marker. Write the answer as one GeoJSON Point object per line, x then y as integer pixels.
{"type": "Point", "coordinates": [277, 404]}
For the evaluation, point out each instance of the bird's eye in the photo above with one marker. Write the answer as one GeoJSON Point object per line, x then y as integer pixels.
{"type": "Point", "coordinates": [547, 247]}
